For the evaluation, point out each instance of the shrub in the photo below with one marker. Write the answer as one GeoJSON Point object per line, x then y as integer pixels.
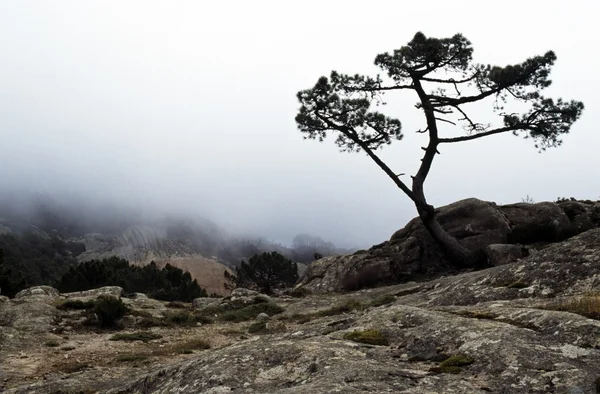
{"type": "Point", "coordinates": [51, 343]}
{"type": "Point", "coordinates": [371, 337]}
{"type": "Point", "coordinates": [382, 300]}
{"type": "Point", "coordinates": [181, 318]}
{"type": "Point", "coordinates": [143, 336]}
{"type": "Point", "coordinates": [299, 292]}
{"type": "Point", "coordinates": [109, 309]}
{"type": "Point", "coordinates": [75, 304]}
{"type": "Point", "coordinates": [368, 276]}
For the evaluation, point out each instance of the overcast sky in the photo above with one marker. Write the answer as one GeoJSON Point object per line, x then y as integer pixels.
{"type": "Point", "coordinates": [190, 105]}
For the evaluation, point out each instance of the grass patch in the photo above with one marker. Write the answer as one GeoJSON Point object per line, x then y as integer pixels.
{"type": "Point", "coordinates": [191, 345]}
{"type": "Point", "coordinates": [587, 305]}
{"type": "Point", "coordinates": [371, 337]}
{"type": "Point", "coordinates": [517, 285]}
{"type": "Point", "coordinates": [257, 327]}
{"type": "Point", "coordinates": [382, 300]}
{"type": "Point", "coordinates": [127, 358]}
{"type": "Point", "coordinates": [51, 344]}
{"type": "Point", "coordinates": [348, 306]}
{"type": "Point", "coordinates": [251, 311]}
{"type": "Point", "coordinates": [143, 336]}
{"type": "Point", "coordinates": [477, 314]}
{"type": "Point", "coordinates": [453, 364]}
{"type": "Point", "coordinates": [181, 318]}
{"type": "Point", "coordinates": [152, 321]}
{"type": "Point", "coordinates": [75, 304]}
{"type": "Point", "coordinates": [298, 292]}
{"type": "Point", "coordinates": [72, 368]}
{"type": "Point", "coordinates": [176, 305]}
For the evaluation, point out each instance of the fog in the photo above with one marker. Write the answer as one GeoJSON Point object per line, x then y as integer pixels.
{"type": "Point", "coordinates": [189, 107]}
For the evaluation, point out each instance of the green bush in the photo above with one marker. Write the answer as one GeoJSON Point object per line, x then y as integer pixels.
{"type": "Point", "coordinates": [181, 318]}
{"type": "Point", "coordinates": [143, 336]}
{"type": "Point", "coordinates": [109, 310]}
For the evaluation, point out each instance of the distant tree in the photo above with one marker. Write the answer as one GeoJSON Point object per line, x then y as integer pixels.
{"type": "Point", "coordinates": [10, 282]}
{"type": "Point", "coordinates": [267, 271]}
{"type": "Point", "coordinates": [306, 247]}
{"type": "Point", "coordinates": [168, 284]}
{"type": "Point", "coordinates": [446, 81]}
{"type": "Point", "coordinates": [30, 259]}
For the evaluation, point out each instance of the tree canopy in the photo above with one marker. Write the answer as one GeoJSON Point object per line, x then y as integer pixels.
{"type": "Point", "coordinates": [168, 284]}
{"type": "Point", "coordinates": [446, 81]}
{"type": "Point", "coordinates": [267, 271]}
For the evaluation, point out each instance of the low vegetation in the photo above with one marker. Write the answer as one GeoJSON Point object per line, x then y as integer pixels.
{"type": "Point", "coordinates": [144, 336]}
{"type": "Point", "coordinates": [108, 310]}
{"type": "Point", "coordinates": [587, 305]}
{"type": "Point", "coordinates": [257, 327]}
{"type": "Point", "coordinates": [370, 337]}
{"type": "Point", "coordinates": [453, 364]}
{"type": "Point", "coordinates": [75, 304]}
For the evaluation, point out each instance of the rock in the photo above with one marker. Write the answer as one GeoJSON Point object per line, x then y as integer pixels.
{"type": "Point", "coordinates": [500, 254]}
{"type": "Point", "coordinates": [412, 254]}
{"type": "Point", "coordinates": [513, 328]}
{"type": "Point", "coordinates": [138, 296]}
{"type": "Point", "coordinates": [539, 222]}
{"type": "Point", "coordinates": [114, 291]}
{"type": "Point", "coordinates": [37, 293]}
{"type": "Point", "coordinates": [4, 299]}
{"type": "Point", "coordinates": [262, 317]}
{"type": "Point", "coordinates": [241, 292]}
{"type": "Point", "coordinates": [203, 302]}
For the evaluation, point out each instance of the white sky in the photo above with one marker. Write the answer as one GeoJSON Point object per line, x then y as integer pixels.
{"type": "Point", "coordinates": [190, 105]}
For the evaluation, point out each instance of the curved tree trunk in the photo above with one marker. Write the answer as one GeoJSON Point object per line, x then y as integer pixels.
{"type": "Point", "coordinates": [456, 253]}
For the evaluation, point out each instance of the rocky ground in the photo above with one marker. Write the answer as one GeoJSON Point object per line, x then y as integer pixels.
{"type": "Point", "coordinates": [524, 327]}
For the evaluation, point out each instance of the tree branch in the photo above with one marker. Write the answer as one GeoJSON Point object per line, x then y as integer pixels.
{"type": "Point", "coordinates": [348, 132]}
{"type": "Point", "coordinates": [484, 134]}
{"type": "Point", "coordinates": [446, 120]}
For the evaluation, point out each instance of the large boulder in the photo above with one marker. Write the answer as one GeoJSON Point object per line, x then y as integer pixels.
{"type": "Point", "coordinates": [541, 222]}
{"type": "Point", "coordinates": [37, 293]}
{"type": "Point", "coordinates": [412, 254]}
{"type": "Point", "coordinates": [92, 294]}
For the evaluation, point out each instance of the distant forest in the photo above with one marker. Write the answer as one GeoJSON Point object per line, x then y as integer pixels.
{"type": "Point", "coordinates": [39, 242]}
